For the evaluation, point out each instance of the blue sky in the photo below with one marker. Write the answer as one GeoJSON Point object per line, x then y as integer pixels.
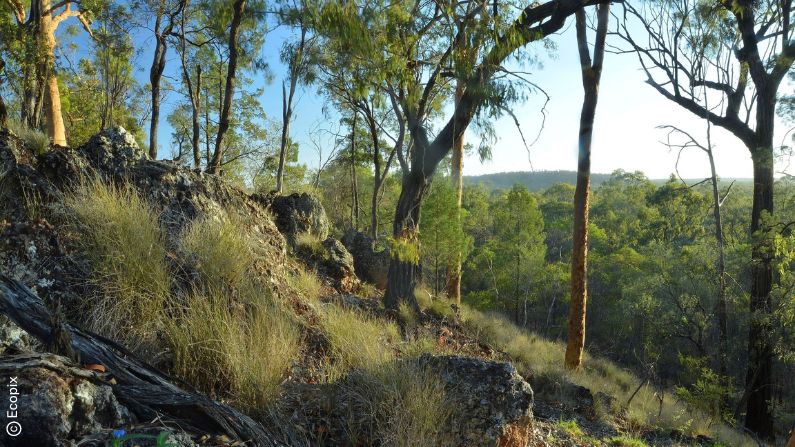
{"type": "Point", "coordinates": [625, 133]}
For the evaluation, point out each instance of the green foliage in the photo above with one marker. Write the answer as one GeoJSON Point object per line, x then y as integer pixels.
{"type": "Point", "coordinates": [34, 139]}
{"type": "Point", "coordinates": [708, 391]}
{"type": "Point", "coordinates": [570, 427]}
{"type": "Point", "coordinates": [625, 441]}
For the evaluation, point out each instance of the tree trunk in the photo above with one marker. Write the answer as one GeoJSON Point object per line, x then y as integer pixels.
{"type": "Point", "coordinates": [791, 442]}
{"type": "Point", "coordinates": [759, 418]}
{"type": "Point", "coordinates": [3, 111]}
{"type": "Point", "coordinates": [52, 96]}
{"type": "Point", "coordinates": [33, 84]}
{"type": "Point", "coordinates": [196, 105]}
{"type": "Point", "coordinates": [404, 269]}
{"type": "Point", "coordinates": [453, 286]}
{"type": "Point", "coordinates": [229, 91]}
{"type": "Point", "coordinates": [354, 183]}
{"type": "Point", "coordinates": [721, 310]}
{"type": "Point", "coordinates": [287, 114]}
{"type": "Point", "coordinates": [155, 74]}
{"type": "Point", "coordinates": [377, 179]}
{"type": "Point", "coordinates": [591, 74]}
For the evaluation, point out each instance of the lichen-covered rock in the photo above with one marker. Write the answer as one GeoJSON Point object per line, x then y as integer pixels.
{"type": "Point", "coordinates": [297, 214]}
{"type": "Point", "coordinates": [113, 150]}
{"type": "Point", "coordinates": [371, 265]}
{"type": "Point", "coordinates": [494, 404]}
{"type": "Point", "coordinates": [56, 402]}
{"type": "Point", "coordinates": [338, 265]}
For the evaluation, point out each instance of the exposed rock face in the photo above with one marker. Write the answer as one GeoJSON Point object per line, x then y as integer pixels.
{"type": "Point", "coordinates": [338, 265]}
{"type": "Point", "coordinates": [371, 266]}
{"type": "Point", "coordinates": [35, 252]}
{"type": "Point", "coordinates": [298, 213]}
{"type": "Point", "coordinates": [494, 404]}
{"type": "Point", "coordinates": [113, 151]}
{"type": "Point", "coordinates": [57, 401]}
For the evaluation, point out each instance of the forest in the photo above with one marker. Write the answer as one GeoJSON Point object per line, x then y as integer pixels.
{"type": "Point", "coordinates": [327, 285]}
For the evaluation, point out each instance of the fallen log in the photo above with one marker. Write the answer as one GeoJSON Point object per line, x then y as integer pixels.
{"type": "Point", "coordinates": [146, 391]}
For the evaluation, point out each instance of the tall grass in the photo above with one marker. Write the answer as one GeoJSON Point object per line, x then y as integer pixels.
{"type": "Point", "coordinates": [544, 358]}
{"type": "Point", "coordinates": [34, 139]}
{"type": "Point", "coordinates": [223, 249]}
{"type": "Point", "coordinates": [237, 351]}
{"type": "Point", "coordinates": [119, 234]}
{"type": "Point", "coordinates": [358, 341]}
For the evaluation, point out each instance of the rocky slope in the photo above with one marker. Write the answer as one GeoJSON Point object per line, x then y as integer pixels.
{"type": "Point", "coordinates": [76, 388]}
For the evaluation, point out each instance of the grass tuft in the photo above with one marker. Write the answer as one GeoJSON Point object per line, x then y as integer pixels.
{"type": "Point", "coordinates": [119, 234]}
{"type": "Point", "coordinates": [34, 139]}
{"type": "Point", "coordinates": [238, 351]}
{"type": "Point", "coordinates": [223, 249]}
{"type": "Point", "coordinates": [357, 341]}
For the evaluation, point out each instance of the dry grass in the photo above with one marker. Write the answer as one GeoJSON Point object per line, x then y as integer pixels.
{"type": "Point", "coordinates": [357, 341]}
{"type": "Point", "coordinates": [222, 247]}
{"type": "Point", "coordinates": [544, 358]}
{"type": "Point", "coordinates": [306, 284]}
{"type": "Point", "coordinates": [120, 235]}
{"type": "Point", "coordinates": [34, 139]}
{"type": "Point", "coordinates": [237, 351]}
{"type": "Point", "coordinates": [405, 406]}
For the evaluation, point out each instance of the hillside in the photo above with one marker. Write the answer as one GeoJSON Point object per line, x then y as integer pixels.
{"type": "Point", "coordinates": [145, 298]}
{"type": "Point", "coordinates": [541, 180]}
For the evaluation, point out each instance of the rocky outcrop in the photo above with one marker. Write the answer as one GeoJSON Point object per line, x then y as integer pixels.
{"type": "Point", "coordinates": [296, 214]}
{"type": "Point", "coordinates": [494, 404]}
{"type": "Point", "coordinates": [57, 401]}
{"type": "Point", "coordinates": [371, 265]}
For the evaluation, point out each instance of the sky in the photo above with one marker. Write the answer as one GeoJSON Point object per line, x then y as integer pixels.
{"type": "Point", "coordinates": [625, 131]}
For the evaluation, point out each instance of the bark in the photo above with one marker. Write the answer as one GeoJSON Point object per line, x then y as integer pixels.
{"type": "Point", "coordinates": [158, 66]}
{"type": "Point", "coordinates": [196, 112]}
{"type": "Point", "coordinates": [791, 442]}
{"type": "Point", "coordinates": [33, 82]}
{"type": "Point", "coordinates": [287, 109]}
{"type": "Point", "coordinates": [591, 75]}
{"type": "Point", "coordinates": [147, 392]}
{"type": "Point", "coordinates": [52, 97]}
{"type": "Point", "coordinates": [759, 377]}
{"type": "Point", "coordinates": [3, 112]}
{"type": "Point", "coordinates": [453, 286]}
{"type": "Point", "coordinates": [214, 166]}
{"type": "Point", "coordinates": [155, 74]}
{"type": "Point", "coordinates": [354, 183]}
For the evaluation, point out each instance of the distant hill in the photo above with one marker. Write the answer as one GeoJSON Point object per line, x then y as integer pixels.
{"type": "Point", "coordinates": [534, 181]}
{"type": "Point", "coordinates": [541, 180]}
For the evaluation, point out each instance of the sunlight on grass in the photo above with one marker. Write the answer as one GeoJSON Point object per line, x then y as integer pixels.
{"type": "Point", "coordinates": [222, 248]}
{"type": "Point", "coordinates": [241, 352]}
{"type": "Point", "coordinates": [357, 341]}
{"type": "Point", "coordinates": [121, 238]}
{"type": "Point", "coordinates": [544, 358]}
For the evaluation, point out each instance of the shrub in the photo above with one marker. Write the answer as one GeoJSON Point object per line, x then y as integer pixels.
{"type": "Point", "coordinates": [120, 236]}
{"type": "Point", "coordinates": [238, 351]}
{"type": "Point", "coordinates": [357, 341]}
{"type": "Point", "coordinates": [222, 247]}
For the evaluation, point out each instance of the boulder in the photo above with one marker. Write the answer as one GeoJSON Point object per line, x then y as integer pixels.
{"type": "Point", "coordinates": [113, 150]}
{"type": "Point", "coordinates": [56, 401]}
{"type": "Point", "coordinates": [298, 213]}
{"type": "Point", "coordinates": [494, 404]}
{"type": "Point", "coordinates": [338, 265]}
{"type": "Point", "coordinates": [371, 266]}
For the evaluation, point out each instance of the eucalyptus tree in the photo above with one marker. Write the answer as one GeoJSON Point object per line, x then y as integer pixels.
{"type": "Point", "coordinates": [414, 45]}
{"type": "Point", "coordinates": [165, 11]}
{"type": "Point", "coordinates": [738, 52]}
{"type": "Point", "coordinates": [591, 74]}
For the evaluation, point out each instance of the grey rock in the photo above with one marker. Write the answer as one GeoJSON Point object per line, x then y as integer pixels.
{"type": "Point", "coordinates": [297, 214]}
{"type": "Point", "coordinates": [494, 404]}
{"type": "Point", "coordinates": [371, 265]}
{"type": "Point", "coordinates": [113, 150]}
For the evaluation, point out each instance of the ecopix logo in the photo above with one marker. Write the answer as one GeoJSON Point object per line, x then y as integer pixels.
{"type": "Point", "coordinates": [13, 427]}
